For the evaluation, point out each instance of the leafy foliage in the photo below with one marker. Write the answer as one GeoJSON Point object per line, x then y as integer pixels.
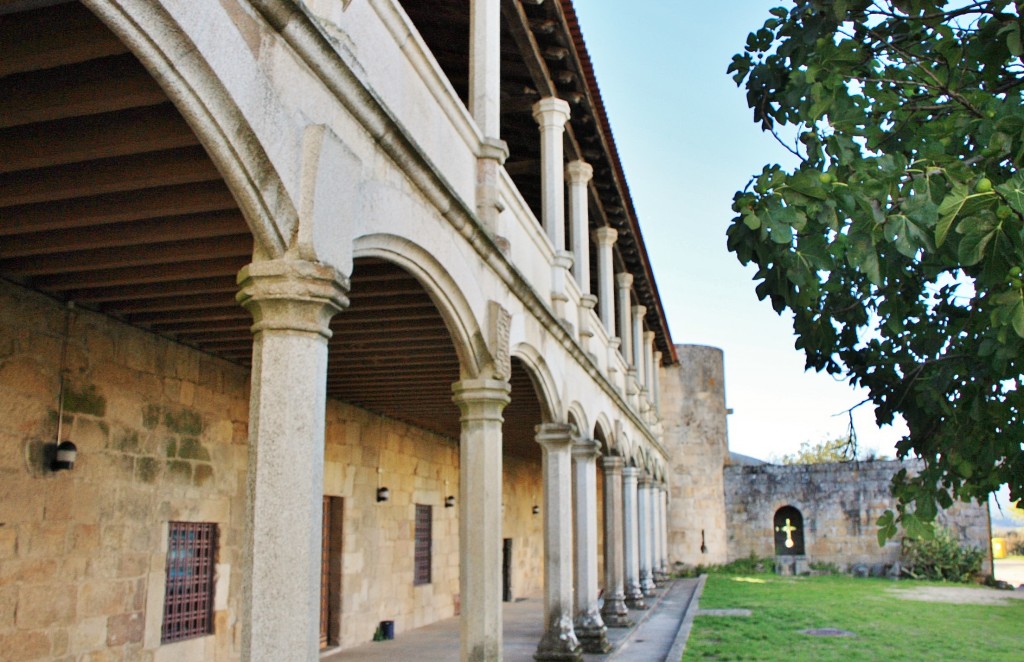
{"type": "Point", "coordinates": [898, 240]}
{"type": "Point", "coordinates": [839, 449]}
{"type": "Point", "coordinates": [940, 558]}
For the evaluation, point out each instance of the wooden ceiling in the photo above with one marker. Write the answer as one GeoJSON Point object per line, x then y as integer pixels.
{"type": "Point", "coordinates": [108, 200]}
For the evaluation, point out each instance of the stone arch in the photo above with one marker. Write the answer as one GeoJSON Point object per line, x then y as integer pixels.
{"type": "Point", "coordinates": [206, 105]}
{"type": "Point", "coordinates": [603, 434]}
{"type": "Point", "coordinates": [578, 417]}
{"type": "Point", "coordinates": [543, 383]}
{"type": "Point", "coordinates": [442, 289]}
{"type": "Point", "coordinates": [788, 529]}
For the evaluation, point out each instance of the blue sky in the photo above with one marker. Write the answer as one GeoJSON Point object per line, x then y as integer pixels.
{"type": "Point", "coordinates": [687, 144]}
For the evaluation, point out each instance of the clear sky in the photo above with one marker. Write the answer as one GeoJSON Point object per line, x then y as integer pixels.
{"type": "Point", "coordinates": [687, 143]}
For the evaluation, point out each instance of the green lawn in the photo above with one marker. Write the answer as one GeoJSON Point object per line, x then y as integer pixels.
{"type": "Point", "coordinates": [886, 627]}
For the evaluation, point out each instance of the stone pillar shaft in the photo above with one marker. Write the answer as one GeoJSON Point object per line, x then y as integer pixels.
{"type": "Point", "coordinates": [644, 537]}
{"type": "Point", "coordinates": [634, 595]}
{"type": "Point", "coordinates": [485, 65]}
{"type": "Point", "coordinates": [551, 114]}
{"type": "Point", "coordinates": [481, 403]}
{"type": "Point", "coordinates": [589, 626]}
{"type": "Point", "coordinates": [605, 238]}
{"type": "Point", "coordinates": [656, 381]}
{"type": "Point", "coordinates": [638, 344]}
{"type": "Point", "coordinates": [291, 302]}
{"type": "Point", "coordinates": [649, 362]}
{"type": "Point", "coordinates": [623, 282]}
{"type": "Point", "coordinates": [615, 612]}
{"type": "Point", "coordinates": [579, 174]}
{"type": "Point", "coordinates": [663, 530]}
{"type": "Point", "coordinates": [559, 641]}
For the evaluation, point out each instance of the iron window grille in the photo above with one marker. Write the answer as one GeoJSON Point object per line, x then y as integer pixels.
{"type": "Point", "coordinates": [188, 599]}
{"type": "Point", "coordinates": [421, 573]}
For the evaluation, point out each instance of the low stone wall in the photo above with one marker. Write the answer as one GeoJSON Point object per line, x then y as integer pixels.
{"type": "Point", "coordinates": [839, 504]}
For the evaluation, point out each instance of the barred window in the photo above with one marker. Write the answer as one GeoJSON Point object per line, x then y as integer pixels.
{"type": "Point", "coordinates": [421, 573]}
{"type": "Point", "coordinates": [188, 600]}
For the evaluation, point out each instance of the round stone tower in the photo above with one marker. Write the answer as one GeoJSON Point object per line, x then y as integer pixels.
{"type": "Point", "coordinates": [696, 439]}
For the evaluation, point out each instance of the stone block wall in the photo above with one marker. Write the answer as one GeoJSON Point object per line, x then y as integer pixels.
{"type": "Point", "coordinates": [162, 433]}
{"type": "Point", "coordinates": [161, 436]}
{"type": "Point", "coordinates": [694, 418]}
{"type": "Point", "coordinates": [839, 502]}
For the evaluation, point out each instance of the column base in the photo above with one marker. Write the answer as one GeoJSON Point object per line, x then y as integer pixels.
{"type": "Point", "coordinates": [647, 584]}
{"type": "Point", "coordinates": [591, 631]}
{"type": "Point", "coordinates": [635, 598]}
{"type": "Point", "coordinates": [559, 642]}
{"type": "Point", "coordinates": [595, 640]}
{"type": "Point", "coordinates": [614, 612]}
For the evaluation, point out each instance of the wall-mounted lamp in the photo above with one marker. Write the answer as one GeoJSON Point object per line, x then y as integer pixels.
{"type": "Point", "coordinates": [703, 546]}
{"type": "Point", "coordinates": [383, 494]}
{"type": "Point", "coordinates": [65, 457]}
{"type": "Point", "coordinates": [536, 510]}
{"type": "Point", "coordinates": [64, 451]}
{"type": "Point", "coordinates": [449, 501]}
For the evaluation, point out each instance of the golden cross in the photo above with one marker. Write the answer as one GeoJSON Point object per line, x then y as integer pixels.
{"type": "Point", "coordinates": [789, 529]}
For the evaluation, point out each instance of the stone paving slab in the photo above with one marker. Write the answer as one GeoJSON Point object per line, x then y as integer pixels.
{"type": "Point", "coordinates": [650, 640]}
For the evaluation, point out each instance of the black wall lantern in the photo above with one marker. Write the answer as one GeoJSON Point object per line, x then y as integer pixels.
{"type": "Point", "coordinates": [64, 451]}
{"type": "Point", "coordinates": [536, 510]}
{"type": "Point", "coordinates": [65, 457]}
{"type": "Point", "coordinates": [383, 494]}
{"type": "Point", "coordinates": [449, 501]}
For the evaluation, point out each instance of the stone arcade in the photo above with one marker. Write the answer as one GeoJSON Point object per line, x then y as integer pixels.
{"type": "Point", "coordinates": [341, 301]}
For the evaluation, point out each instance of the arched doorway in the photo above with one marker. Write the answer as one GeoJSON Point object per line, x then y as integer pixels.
{"type": "Point", "coordinates": [788, 525]}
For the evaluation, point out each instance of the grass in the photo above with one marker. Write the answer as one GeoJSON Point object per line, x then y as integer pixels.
{"type": "Point", "coordinates": [886, 627]}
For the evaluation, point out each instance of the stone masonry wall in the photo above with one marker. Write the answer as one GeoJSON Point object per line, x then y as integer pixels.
{"type": "Point", "coordinates": [161, 436]}
{"type": "Point", "coordinates": [839, 502]}
{"type": "Point", "coordinates": [694, 418]}
{"type": "Point", "coordinates": [161, 432]}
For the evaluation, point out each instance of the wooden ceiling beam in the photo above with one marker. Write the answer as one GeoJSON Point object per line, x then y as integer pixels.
{"type": "Point", "coordinates": [132, 276]}
{"type": "Point", "coordinates": [167, 229]}
{"type": "Point", "coordinates": [94, 137]}
{"type": "Point", "coordinates": [129, 256]}
{"type": "Point", "coordinates": [89, 178]}
{"type": "Point", "coordinates": [519, 27]}
{"type": "Point", "coordinates": [190, 302]}
{"type": "Point", "coordinates": [193, 287]}
{"type": "Point", "coordinates": [224, 313]}
{"type": "Point", "coordinates": [89, 88]}
{"type": "Point", "coordinates": [117, 208]}
{"type": "Point", "coordinates": [28, 41]}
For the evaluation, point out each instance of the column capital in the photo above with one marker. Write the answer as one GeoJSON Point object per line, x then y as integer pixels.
{"type": "Point", "coordinates": [292, 295]}
{"type": "Point", "coordinates": [578, 172]}
{"type": "Point", "coordinates": [612, 464]}
{"type": "Point", "coordinates": [624, 279]}
{"type": "Point", "coordinates": [551, 111]}
{"type": "Point", "coordinates": [648, 336]}
{"type": "Point", "coordinates": [630, 473]}
{"type": "Point", "coordinates": [555, 435]}
{"type": "Point", "coordinates": [605, 236]}
{"type": "Point", "coordinates": [585, 449]}
{"type": "Point", "coordinates": [493, 149]}
{"type": "Point", "coordinates": [481, 399]}
{"type": "Point", "coordinates": [645, 481]}
{"type": "Point", "coordinates": [640, 311]}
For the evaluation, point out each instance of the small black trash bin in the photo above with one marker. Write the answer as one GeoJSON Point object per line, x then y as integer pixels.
{"type": "Point", "coordinates": [387, 628]}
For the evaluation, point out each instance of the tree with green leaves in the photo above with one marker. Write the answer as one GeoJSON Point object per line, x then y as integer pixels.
{"type": "Point", "coordinates": [839, 449]}
{"type": "Point", "coordinates": [898, 241]}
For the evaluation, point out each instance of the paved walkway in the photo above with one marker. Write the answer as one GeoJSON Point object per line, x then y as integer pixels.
{"type": "Point", "coordinates": [657, 633]}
